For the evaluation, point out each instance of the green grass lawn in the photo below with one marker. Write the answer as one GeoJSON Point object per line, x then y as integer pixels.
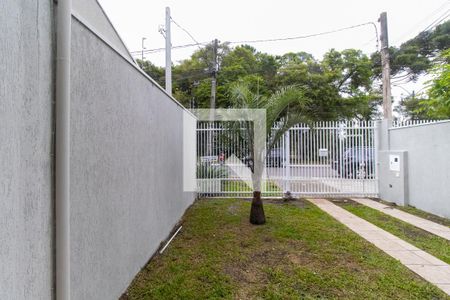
{"type": "Point", "coordinates": [420, 213]}
{"type": "Point", "coordinates": [241, 186]}
{"type": "Point", "coordinates": [422, 239]}
{"type": "Point", "coordinates": [301, 253]}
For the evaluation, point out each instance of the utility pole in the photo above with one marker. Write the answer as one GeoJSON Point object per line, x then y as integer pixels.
{"type": "Point", "coordinates": [386, 70]}
{"type": "Point", "coordinates": [168, 54]}
{"type": "Point", "coordinates": [212, 105]}
{"type": "Point", "coordinates": [143, 48]}
{"type": "Point", "coordinates": [214, 75]}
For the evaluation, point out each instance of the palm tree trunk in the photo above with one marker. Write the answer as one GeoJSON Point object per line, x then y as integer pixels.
{"type": "Point", "coordinates": [257, 216]}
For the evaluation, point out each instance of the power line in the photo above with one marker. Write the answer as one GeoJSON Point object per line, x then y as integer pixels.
{"type": "Point", "coordinates": [173, 47]}
{"type": "Point", "coordinates": [302, 36]}
{"type": "Point", "coordinates": [437, 21]}
{"type": "Point", "coordinates": [187, 32]}
{"type": "Point", "coordinates": [269, 40]}
{"type": "Point", "coordinates": [424, 19]}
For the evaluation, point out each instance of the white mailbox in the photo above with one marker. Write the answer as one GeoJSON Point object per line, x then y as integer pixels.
{"type": "Point", "coordinates": [323, 152]}
{"type": "Point", "coordinates": [394, 163]}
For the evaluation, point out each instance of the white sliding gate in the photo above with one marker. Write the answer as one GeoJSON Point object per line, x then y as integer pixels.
{"type": "Point", "coordinates": [326, 159]}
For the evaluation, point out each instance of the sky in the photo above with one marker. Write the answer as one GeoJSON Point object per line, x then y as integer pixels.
{"type": "Point", "coordinates": [236, 20]}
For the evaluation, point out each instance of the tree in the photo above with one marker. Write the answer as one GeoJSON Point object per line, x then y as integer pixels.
{"type": "Point", "coordinates": [157, 73]}
{"type": "Point", "coordinates": [409, 107]}
{"type": "Point", "coordinates": [437, 106]}
{"type": "Point", "coordinates": [415, 57]}
{"type": "Point", "coordinates": [339, 87]}
{"type": "Point", "coordinates": [283, 108]}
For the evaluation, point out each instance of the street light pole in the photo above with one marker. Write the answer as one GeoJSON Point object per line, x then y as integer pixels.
{"type": "Point", "coordinates": [168, 54]}
{"type": "Point", "coordinates": [143, 48]}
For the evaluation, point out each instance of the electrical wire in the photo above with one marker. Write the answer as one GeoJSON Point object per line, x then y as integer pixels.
{"type": "Point", "coordinates": [424, 19]}
{"type": "Point", "coordinates": [269, 40]}
{"type": "Point", "coordinates": [149, 51]}
{"type": "Point", "coordinates": [302, 36]}
{"type": "Point", "coordinates": [437, 21]}
{"type": "Point", "coordinates": [187, 32]}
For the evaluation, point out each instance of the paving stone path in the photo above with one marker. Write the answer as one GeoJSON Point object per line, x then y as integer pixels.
{"type": "Point", "coordinates": [425, 265]}
{"type": "Point", "coordinates": [427, 225]}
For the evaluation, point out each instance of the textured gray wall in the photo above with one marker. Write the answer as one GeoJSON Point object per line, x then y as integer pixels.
{"type": "Point", "coordinates": [91, 12]}
{"type": "Point", "coordinates": [26, 94]}
{"type": "Point", "coordinates": [126, 168]}
{"type": "Point", "coordinates": [428, 149]}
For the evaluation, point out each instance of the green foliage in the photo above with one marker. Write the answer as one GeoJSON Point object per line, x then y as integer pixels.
{"type": "Point", "coordinates": [284, 108]}
{"type": "Point", "coordinates": [437, 106]}
{"type": "Point", "coordinates": [415, 56]}
{"type": "Point", "coordinates": [157, 73]}
{"type": "Point", "coordinates": [409, 107]}
{"type": "Point", "coordinates": [206, 170]}
{"type": "Point", "coordinates": [338, 87]}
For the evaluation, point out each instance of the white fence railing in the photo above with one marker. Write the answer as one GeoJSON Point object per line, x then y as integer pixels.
{"type": "Point", "coordinates": [321, 159]}
{"type": "Point", "coordinates": [408, 123]}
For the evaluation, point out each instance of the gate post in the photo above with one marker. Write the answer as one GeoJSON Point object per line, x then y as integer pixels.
{"type": "Point", "coordinates": [287, 161]}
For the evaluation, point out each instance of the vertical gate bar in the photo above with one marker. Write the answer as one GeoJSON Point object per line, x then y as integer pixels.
{"type": "Point", "coordinates": [372, 156]}
{"type": "Point", "coordinates": [288, 160]}
{"type": "Point", "coordinates": [334, 160]}
{"type": "Point", "coordinates": [368, 164]}
{"type": "Point", "coordinates": [318, 168]}
{"type": "Point", "coordinates": [314, 158]}
{"type": "Point", "coordinates": [368, 158]}
{"type": "Point", "coordinates": [321, 184]}
{"type": "Point", "coordinates": [376, 132]}
{"type": "Point", "coordinates": [327, 158]}
{"type": "Point", "coordinates": [208, 141]}
{"type": "Point", "coordinates": [317, 160]}
{"type": "Point", "coordinates": [363, 152]}
{"type": "Point", "coordinates": [362, 155]}
{"type": "Point", "coordinates": [304, 158]}
{"type": "Point", "coordinates": [308, 161]}
{"type": "Point", "coordinates": [322, 158]}
{"type": "Point", "coordinates": [297, 155]}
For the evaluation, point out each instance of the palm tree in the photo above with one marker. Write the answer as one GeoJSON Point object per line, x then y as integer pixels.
{"type": "Point", "coordinates": [284, 108]}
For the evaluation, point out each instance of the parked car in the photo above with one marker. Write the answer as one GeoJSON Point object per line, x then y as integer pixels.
{"type": "Point", "coordinates": [356, 162]}
{"type": "Point", "coordinates": [273, 159]}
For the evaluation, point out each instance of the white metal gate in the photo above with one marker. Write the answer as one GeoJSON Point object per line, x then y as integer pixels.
{"type": "Point", "coordinates": [325, 159]}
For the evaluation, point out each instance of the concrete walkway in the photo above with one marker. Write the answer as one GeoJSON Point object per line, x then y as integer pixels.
{"type": "Point", "coordinates": [432, 227]}
{"type": "Point", "coordinates": [425, 265]}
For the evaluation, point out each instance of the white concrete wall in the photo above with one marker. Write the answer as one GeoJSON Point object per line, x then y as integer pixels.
{"type": "Point", "coordinates": [126, 168]}
{"type": "Point", "coordinates": [91, 12]}
{"type": "Point", "coordinates": [126, 158]}
{"type": "Point", "coordinates": [26, 95]}
{"type": "Point", "coordinates": [428, 148]}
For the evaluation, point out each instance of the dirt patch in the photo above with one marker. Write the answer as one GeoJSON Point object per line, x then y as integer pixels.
{"type": "Point", "coordinates": [298, 259]}
{"type": "Point", "coordinates": [414, 232]}
{"type": "Point", "coordinates": [250, 274]}
{"type": "Point", "coordinates": [233, 209]}
{"type": "Point", "coordinates": [301, 203]}
{"type": "Point", "coordinates": [343, 201]}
